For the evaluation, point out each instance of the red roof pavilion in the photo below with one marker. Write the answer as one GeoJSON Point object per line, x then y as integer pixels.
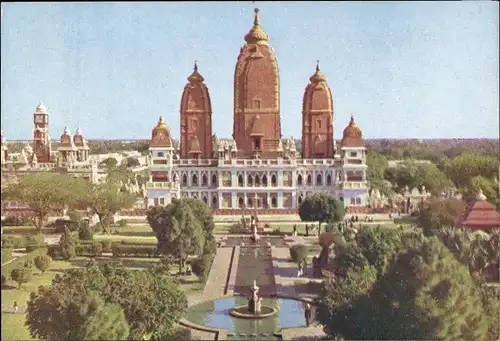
{"type": "Point", "coordinates": [480, 214]}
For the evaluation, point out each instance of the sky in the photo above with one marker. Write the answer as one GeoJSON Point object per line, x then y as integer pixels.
{"type": "Point", "coordinates": [403, 69]}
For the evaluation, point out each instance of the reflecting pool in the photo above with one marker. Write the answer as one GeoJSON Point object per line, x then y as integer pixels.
{"type": "Point", "coordinates": [215, 314]}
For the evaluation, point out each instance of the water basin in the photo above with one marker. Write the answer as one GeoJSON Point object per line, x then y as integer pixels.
{"type": "Point", "coordinates": [215, 314]}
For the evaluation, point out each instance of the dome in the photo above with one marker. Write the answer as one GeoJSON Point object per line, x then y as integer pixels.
{"type": "Point", "coordinates": [78, 131]}
{"type": "Point", "coordinates": [160, 137]}
{"type": "Point", "coordinates": [256, 34]}
{"type": "Point", "coordinates": [318, 76]}
{"type": "Point", "coordinates": [41, 108]}
{"type": "Point", "coordinates": [195, 77]}
{"type": "Point", "coordinates": [66, 132]}
{"type": "Point", "coordinates": [353, 136]}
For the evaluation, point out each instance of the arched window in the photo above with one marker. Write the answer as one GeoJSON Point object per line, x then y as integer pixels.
{"type": "Point", "coordinates": [328, 179]}
{"type": "Point", "coordinates": [273, 181]}
{"type": "Point", "coordinates": [205, 200]}
{"type": "Point", "coordinates": [249, 202]}
{"type": "Point", "coordinates": [319, 180]}
{"type": "Point", "coordinates": [299, 180]}
{"type": "Point", "coordinates": [214, 180]}
{"type": "Point", "coordinates": [264, 180]}
{"type": "Point", "coordinates": [309, 179]}
{"type": "Point", "coordinates": [274, 202]}
{"type": "Point", "coordinates": [249, 181]}
{"type": "Point", "coordinates": [194, 180]}
{"type": "Point", "coordinates": [240, 181]}
{"type": "Point", "coordinates": [214, 201]}
{"type": "Point", "coordinates": [301, 199]}
{"type": "Point", "coordinates": [257, 181]}
{"type": "Point", "coordinates": [241, 202]}
{"type": "Point", "coordinates": [204, 181]}
{"type": "Point", "coordinates": [184, 180]}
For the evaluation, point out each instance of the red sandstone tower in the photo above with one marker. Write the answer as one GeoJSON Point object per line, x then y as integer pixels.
{"type": "Point", "coordinates": [257, 127]}
{"type": "Point", "coordinates": [317, 118]}
{"type": "Point", "coordinates": [196, 119]}
{"type": "Point", "coordinates": [41, 138]}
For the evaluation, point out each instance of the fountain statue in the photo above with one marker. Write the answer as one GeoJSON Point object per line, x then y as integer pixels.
{"type": "Point", "coordinates": [253, 225]}
{"type": "Point", "coordinates": [254, 309]}
{"type": "Point", "coordinates": [254, 300]}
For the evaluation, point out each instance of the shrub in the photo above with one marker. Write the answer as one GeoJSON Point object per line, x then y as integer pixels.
{"type": "Point", "coordinates": [75, 216]}
{"type": "Point", "coordinates": [122, 222]}
{"type": "Point", "coordinates": [298, 253]}
{"type": "Point", "coordinates": [42, 262]}
{"type": "Point", "coordinates": [54, 251]}
{"type": "Point", "coordinates": [85, 232]}
{"type": "Point", "coordinates": [238, 228]}
{"type": "Point", "coordinates": [35, 242]}
{"type": "Point", "coordinates": [332, 227]}
{"type": "Point", "coordinates": [15, 221]}
{"type": "Point", "coordinates": [201, 266]}
{"type": "Point", "coordinates": [22, 261]}
{"type": "Point", "coordinates": [15, 242]}
{"type": "Point", "coordinates": [89, 250]}
{"type": "Point", "coordinates": [328, 238]}
{"type": "Point", "coordinates": [125, 250]}
{"type": "Point", "coordinates": [61, 224]}
{"type": "Point", "coordinates": [106, 245]}
{"type": "Point", "coordinates": [4, 281]}
{"type": "Point", "coordinates": [6, 254]}
{"type": "Point", "coordinates": [21, 275]}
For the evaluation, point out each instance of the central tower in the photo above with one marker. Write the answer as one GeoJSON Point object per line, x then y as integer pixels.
{"type": "Point", "coordinates": [256, 122]}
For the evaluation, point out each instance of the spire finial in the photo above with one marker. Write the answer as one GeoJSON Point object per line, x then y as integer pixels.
{"type": "Point", "coordinates": [317, 65]}
{"type": "Point", "coordinates": [352, 119]}
{"type": "Point", "coordinates": [195, 65]}
{"type": "Point", "coordinates": [256, 18]}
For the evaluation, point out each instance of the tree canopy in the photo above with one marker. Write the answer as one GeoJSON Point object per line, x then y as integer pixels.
{"type": "Point", "coordinates": [178, 229]}
{"type": "Point", "coordinates": [321, 208]}
{"type": "Point", "coordinates": [436, 213]}
{"type": "Point", "coordinates": [425, 293]}
{"type": "Point", "coordinates": [106, 302]}
{"type": "Point", "coordinates": [44, 193]}
{"type": "Point", "coordinates": [376, 168]}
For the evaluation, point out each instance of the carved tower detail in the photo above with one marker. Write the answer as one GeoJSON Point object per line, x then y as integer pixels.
{"type": "Point", "coordinates": [41, 138]}
{"type": "Point", "coordinates": [196, 119]}
{"type": "Point", "coordinates": [317, 118]}
{"type": "Point", "coordinates": [256, 122]}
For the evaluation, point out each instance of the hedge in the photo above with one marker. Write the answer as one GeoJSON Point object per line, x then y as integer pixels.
{"type": "Point", "coordinates": [6, 254]}
{"type": "Point", "coordinates": [127, 250]}
{"type": "Point", "coordinates": [16, 242]}
{"type": "Point", "coordinates": [19, 262]}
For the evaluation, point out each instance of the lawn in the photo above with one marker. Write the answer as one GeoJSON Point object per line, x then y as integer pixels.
{"type": "Point", "coordinates": [13, 327]}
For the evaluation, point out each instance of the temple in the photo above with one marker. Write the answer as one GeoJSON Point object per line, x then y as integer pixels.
{"type": "Point", "coordinates": [257, 169]}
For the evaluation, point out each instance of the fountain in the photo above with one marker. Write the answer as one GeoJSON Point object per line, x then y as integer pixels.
{"type": "Point", "coordinates": [254, 308]}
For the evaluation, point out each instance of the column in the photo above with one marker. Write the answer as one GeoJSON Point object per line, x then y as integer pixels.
{"type": "Point", "coordinates": [280, 199]}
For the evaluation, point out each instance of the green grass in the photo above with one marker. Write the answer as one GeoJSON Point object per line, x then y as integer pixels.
{"type": "Point", "coordinates": [117, 237]}
{"type": "Point", "coordinates": [13, 327]}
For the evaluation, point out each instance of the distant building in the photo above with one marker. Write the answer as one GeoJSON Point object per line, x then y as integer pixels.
{"type": "Point", "coordinates": [257, 169]}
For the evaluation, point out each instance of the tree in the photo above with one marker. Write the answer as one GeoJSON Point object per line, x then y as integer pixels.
{"type": "Point", "coordinates": [178, 230]}
{"type": "Point", "coordinates": [131, 162]}
{"type": "Point", "coordinates": [85, 232]}
{"type": "Point", "coordinates": [321, 208]}
{"type": "Point", "coordinates": [21, 275]}
{"type": "Point", "coordinates": [480, 183]}
{"type": "Point", "coordinates": [44, 193]}
{"type": "Point", "coordinates": [42, 262]}
{"type": "Point", "coordinates": [425, 295]}
{"type": "Point", "coordinates": [67, 245]}
{"type": "Point", "coordinates": [107, 199]}
{"type": "Point", "coordinates": [338, 298]}
{"type": "Point", "coordinates": [463, 168]}
{"type": "Point", "coordinates": [70, 309]}
{"type": "Point", "coordinates": [71, 312]}
{"type": "Point", "coordinates": [298, 253]}
{"type": "Point", "coordinates": [110, 163]}
{"type": "Point", "coordinates": [377, 165]}
{"type": "Point", "coordinates": [107, 323]}
{"type": "Point", "coordinates": [436, 213]}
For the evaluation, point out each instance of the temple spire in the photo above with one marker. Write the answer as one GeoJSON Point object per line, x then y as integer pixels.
{"type": "Point", "coordinates": [256, 35]}
{"type": "Point", "coordinates": [256, 17]}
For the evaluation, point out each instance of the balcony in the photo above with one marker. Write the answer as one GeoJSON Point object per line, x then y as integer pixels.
{"type": "Point", "coordinates": [159, 185]}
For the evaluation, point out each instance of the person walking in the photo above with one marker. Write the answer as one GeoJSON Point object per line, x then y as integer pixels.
{"type": "Point", "coordinates": [16, 307]}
